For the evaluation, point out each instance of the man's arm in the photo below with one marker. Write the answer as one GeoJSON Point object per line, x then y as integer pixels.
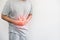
{"type": "Point", "coordinates": [10, 20]}
{"type": "Point", "coordinates": [6, 18]}
{"type": "Point", "coordinates": [29, 17]}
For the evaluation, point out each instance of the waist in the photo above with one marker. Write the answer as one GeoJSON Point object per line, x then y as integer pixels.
{"type": "Point", "coordinates": [18, 27]}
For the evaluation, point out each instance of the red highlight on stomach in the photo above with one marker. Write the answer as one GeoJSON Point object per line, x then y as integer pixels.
{"type": "Point", "coordinates": [21, 21]}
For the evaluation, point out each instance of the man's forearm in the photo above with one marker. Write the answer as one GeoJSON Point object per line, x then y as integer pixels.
{"type": "Point", "coordinates": [10, 20]}
{"type": "Point", "coordinates": [29, 17]}
{"type": "Point", "coordinates": [6, 18]}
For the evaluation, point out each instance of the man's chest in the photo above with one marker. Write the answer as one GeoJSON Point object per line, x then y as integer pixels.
{"type": "Point", "coordinates": [20, 7]}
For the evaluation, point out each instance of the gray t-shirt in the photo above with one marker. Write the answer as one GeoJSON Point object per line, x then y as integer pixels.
{"type": "Point", "coordinates": [16, 8]}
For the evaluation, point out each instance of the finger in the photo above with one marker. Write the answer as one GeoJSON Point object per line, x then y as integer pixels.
{"type": "Point", "coordinates": [19, 18]}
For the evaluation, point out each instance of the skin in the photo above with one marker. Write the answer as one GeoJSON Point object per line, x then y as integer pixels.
{"type": "Point", "coordinates": [21, 22]}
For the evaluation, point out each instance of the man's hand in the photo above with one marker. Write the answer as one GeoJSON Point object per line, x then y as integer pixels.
{"type": "Point", "coordinates": [21, 21]}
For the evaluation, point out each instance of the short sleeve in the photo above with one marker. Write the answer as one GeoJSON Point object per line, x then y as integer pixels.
{"type": "Point", "coordinates": [6, 8]}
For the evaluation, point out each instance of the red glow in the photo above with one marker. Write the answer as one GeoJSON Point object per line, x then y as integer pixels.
{"type": "Point", "coordinates": [21, 21]}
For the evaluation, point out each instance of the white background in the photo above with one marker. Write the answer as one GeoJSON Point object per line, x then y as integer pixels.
{"type": "Point", "coordinates": [46, 20]}
{"type": "Point", "coordinates": [3, 24]}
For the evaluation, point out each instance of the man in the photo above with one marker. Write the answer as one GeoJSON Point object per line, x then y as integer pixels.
{"type": "Point", "coordinates": [18, 13]}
